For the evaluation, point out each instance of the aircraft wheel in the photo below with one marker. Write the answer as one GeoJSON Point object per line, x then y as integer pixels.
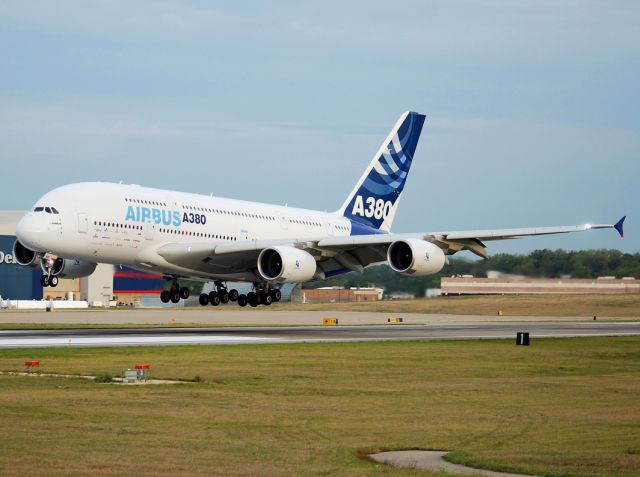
{"type": "Point", "coordinates": [53, 281]}
{"type": "Point", "coordinates": [242, 300]}
{"type": "Point", "coordinates": [184, 293]}
{"type": "Point", "coordinates": [233, 295]}
{"type": "Point", "coordinates": [224, 296]}
{"type": "Point", "coordinates": [44, 281]}
{"type": "Point", "coordinates": [174, 296]}
{"type": "Point", "coordinates": [164, 296]}
{"type": "Point", "coordinates": [214, 299]}
{"type": "Point", "coordinates": [204, 299]}
{"type": "Point", "coordinates": [253, 299]}
{"type": "Point", "coordinates": [276, 295]}
{"type": "Point", "coordinates": [266, 298]}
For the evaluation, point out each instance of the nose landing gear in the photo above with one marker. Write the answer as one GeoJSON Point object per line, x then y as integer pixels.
{"type": "Point", "coordinates": [48, 279]}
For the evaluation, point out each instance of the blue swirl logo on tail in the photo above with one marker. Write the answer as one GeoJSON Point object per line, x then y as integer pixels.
{"type": "Point", "coordinates": [374, 200]}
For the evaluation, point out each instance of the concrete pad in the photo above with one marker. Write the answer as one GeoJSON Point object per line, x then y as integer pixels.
{"type": "Point", "coordinates": [432, 461]}
{"type": "Point", "coordinates": [116, 380]}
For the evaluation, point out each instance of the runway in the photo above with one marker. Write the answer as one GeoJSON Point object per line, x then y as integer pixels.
{"type": "Point", "coordinates": [303, 334]}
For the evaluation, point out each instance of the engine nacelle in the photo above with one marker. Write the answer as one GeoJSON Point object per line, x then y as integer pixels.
{"type": "Point", "coordinates": [66, 268]}
{"type": "Point", "coordinates": [25, 256]}
{"type": "Point", "coordinates": [286, 264]}
{"type": "Point", "coordinates": [415, 257]}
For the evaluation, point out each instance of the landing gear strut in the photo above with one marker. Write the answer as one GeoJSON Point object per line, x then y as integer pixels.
{"type": "Point", "coordinates": [174, 294]}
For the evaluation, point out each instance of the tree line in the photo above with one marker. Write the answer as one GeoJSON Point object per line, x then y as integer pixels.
{"type": "Point", "coordinates": [539, 263]}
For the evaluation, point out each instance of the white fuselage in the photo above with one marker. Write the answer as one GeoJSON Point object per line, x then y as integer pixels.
{"type": "Point", "coordinates": [127, 224]}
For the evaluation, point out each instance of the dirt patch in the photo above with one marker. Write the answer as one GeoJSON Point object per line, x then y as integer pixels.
{"type": "Point", "coordinates": [432, 461]}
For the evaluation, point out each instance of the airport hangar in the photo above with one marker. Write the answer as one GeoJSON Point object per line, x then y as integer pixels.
{"type": "Point", "coordinates": [23, 283]}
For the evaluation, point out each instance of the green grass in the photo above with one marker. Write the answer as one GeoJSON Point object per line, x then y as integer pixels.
{"type": "Point", "coordinates": [561, 407]}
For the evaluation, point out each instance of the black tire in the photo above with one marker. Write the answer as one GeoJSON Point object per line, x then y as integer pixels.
{"type": "Point", "coordinates": [253, 299]}
{"type": "Point", "coordinates": [164, 296]}
{"type": "Point", "coordinates": [215, 301]}
{"type": "Point", "coordinates": [53, 281]}
{"type": "Point", "coordinates": [174, 295]}
{"type": "Point", "coordinates": [242, 300]}
{"type": "Point", "coordinates": [224, 296]}
{"type": "Point", "coordinates": [276, 295]}
{"type": "Point", "coordinates": [265, 298]}
{"type": "Point", "coordinates": [204, 299]}
{"type": "Point", "coordinates": [233, 295]}
{"type": "Point", "coordinates": [212, 295]}
{"type": "Point", "coordinates": [44, 281]}
{"type": "Point", "coordinates": [184, 293]}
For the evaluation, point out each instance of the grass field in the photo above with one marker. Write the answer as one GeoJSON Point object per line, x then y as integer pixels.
{"type": "Point", "coordinates": [561, 407]}
{"type": "Point", "coordinates": [627, 306]}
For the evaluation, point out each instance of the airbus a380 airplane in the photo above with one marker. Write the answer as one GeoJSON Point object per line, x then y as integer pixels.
{"type": "Point", "coordinates": [180, 235]}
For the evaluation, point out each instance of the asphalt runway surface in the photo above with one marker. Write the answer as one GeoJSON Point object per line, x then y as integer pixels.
{"type": "Point", "coordinates": [304, 334]}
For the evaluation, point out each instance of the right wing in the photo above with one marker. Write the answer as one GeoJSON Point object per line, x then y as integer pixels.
{"type": "Point", "coordinates": [340, 254]}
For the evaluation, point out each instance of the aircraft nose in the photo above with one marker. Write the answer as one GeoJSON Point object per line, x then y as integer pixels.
{"type": "Point", "coordinates": [29, 231]}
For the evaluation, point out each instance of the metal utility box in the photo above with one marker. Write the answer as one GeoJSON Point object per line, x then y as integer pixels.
{"type": "Point", "coordinates": [130, 375]}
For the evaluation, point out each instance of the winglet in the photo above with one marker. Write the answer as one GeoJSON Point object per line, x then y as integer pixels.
{"type": "Point", "coordinates": [618, 226]}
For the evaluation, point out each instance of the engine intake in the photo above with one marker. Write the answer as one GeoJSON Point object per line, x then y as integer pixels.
{"type": "Point", "coordinates": [286, 264]}
{"type": "Point", "coordinates": [415, 257]}
{"type": "Point", "coordinates": [25, 256]}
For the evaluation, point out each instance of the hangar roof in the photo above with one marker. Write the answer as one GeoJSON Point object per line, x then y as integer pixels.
{"type": "Point", "coordinates": [8, 221]}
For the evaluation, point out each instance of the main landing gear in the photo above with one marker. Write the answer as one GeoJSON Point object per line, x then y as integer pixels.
{"type": "Point", "coordinates": [220, 295]}
{"type": "Point", "coordinates": [174, 294]}
{"type": "Point", "coordinates": [261, 295]}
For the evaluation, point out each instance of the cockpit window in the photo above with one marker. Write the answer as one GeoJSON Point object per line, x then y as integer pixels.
{"type": "Point", "coordinates": [47, 210]}
{"type": "Point", "coordinates": [54, 210]}
{"type": "Point", "coordinates": [38, 209]}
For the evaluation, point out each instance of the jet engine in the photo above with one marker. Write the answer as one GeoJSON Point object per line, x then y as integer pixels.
{"type": "Point", "coordinates": [286, 264]}
{"type": "Point", "coordinates": [415, 257]}
{"type": "Point", "coordinates": [25, 256]}
{"type": "Point", "coordinates": [66, 268]}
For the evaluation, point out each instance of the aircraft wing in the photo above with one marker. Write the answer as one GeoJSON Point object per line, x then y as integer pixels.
{"type": "Point", "coordinates": [455, 241]}
{"type": "Point", "coordinates": [339, 254]}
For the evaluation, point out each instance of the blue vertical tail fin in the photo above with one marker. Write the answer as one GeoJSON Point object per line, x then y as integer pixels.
{"type": "Point", "coordinates": [374, 200]}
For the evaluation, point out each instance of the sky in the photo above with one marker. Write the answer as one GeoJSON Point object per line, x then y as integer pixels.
{"type": "Point", "coordinates": [533, 107]}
